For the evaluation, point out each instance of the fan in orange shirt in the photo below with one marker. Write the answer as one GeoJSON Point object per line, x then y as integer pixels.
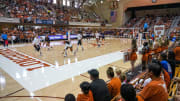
{"type": "Point", "coordinates": [144, 58]}
{"type": "Point", "coordinates": [177, 53]}
{"type": "Point", "coordinates": [133, 58]}
{"type": "Point", "coordinates": [156, 90]}
{"type": "Point", "coordinates": [133, 55]}
{"type": "Point", "coordinates": [114, 85]}
{"type": "Point", "coordinates": [166, 78]}
{"type": "Point", "coordinates": [150, 52]}
{"type": "Point", "coordinates": [157, 48]}
{"type": "Point", "coordinates": [87, 93]}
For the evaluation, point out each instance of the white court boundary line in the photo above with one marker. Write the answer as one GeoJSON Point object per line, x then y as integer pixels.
{"type": "Point", "coordinates": [41, 78]}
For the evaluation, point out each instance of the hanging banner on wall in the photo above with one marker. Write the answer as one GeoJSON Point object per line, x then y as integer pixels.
{"type": "Point", "coordinates": [39, 21]}
{"type": "Point", "coordinates": [159, 30]}
{"type": "Point", "coordinates": [113, 16]}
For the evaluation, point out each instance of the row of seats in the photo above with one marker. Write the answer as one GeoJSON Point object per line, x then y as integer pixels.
{"type": "Point", "coordinates": [30, 10]}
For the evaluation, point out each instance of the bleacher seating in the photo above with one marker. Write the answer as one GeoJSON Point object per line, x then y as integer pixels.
{"type": "Point", "coordinates": [30, 10]}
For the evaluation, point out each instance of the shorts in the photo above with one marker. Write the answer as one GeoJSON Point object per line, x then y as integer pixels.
{"type": "Point", "coordinates": [47, 43]}
{"type": "Point", "coordinates": [6, 42]}
{"type": "Point", "coordinates": [145, 29]}
{"type": "Point", "coordinates": [68, 46]}
{"type": "Point", "coordinates": [37, 47]}
{"type": "Point", "coordinates": [103, 37]}
{"type": "Point", "coordinates": [79, 42]}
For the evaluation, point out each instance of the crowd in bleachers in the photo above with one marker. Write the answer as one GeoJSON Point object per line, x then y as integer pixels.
{"type": "Point", "coordinates": [30, 10]}
{"type": "Point", "coordinates": [161, 71]}
{"type": "Point", "coordinates": [26, 34]}
{"type": "Point", "coordinates": [150, 21]}
{"type": "Point", "coordinates": [19, 35]}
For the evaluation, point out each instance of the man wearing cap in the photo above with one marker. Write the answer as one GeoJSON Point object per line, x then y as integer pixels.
{"type": "Point", "coordinates": [98, 87]}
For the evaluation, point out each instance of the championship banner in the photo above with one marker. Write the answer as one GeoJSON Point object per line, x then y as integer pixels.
{"type": "Point", "coordinates": [113, 16]}
{"type": "Point", "coordinates": [159, 30]}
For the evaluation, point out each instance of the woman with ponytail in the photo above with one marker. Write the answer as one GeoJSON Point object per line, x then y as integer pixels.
{"type": "Point", "coordinates": [114, 85]}
{"type": "Point", "coordinates": [133, 55]}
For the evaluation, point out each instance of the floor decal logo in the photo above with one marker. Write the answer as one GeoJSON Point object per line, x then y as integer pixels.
{"type": "Point", "coordinates": [23, 60]}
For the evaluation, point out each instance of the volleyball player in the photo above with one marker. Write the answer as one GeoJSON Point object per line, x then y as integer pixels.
{"type": "Point", "coordinates": [103, 36]}
{"type": "Point", "coordinates": [79, 37]}
{"type": "Point", "coordinates": [68, 45]}
{"type": "Point", "coordinates": [47, 42]}
{"type": "Point", "coordinates": [97, 38]}
{"type": "Point", "coordinates": [36, 43]}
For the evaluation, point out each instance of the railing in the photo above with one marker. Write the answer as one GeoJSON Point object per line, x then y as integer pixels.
{"type": "Point", "coordinates": [41, 21]}
{"type": "Point", "coordinates": [9, 20]}
{"type": "Point", "coordinates": [87, 24]}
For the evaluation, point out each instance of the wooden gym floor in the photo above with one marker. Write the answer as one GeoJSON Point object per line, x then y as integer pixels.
{"type": "Point", "coordinates": [60, 89]}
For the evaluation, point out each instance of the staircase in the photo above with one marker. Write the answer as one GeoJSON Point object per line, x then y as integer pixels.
{"type": "Point", "coordinates": [157, 19]}
{"type": "Point", "coordinates": [173, 25]}
{"type": "Point", "coordinates": [139, 22]}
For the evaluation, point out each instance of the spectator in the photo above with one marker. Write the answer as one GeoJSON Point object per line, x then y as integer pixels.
{"type": "Point", "coordinates": [133, 55]}
{"type": "Point", "coordinates": [87, 94]}
{"type": "Point", "coordinates": [172, 62]}
{"type": "Point", "coordinates": [165, 64]}
{"type": "Point", "coordinates": [165, 74]}
{"type": "Point", "coordinates": [70, 97]}
{"type": "Point", "coordinates": [144, 58]}
{"type": "Point", "coordinates": [145, 29]}
{"type": "Point", "coordinates": [114, 85]}
{"type": "Point", "coordinates": [118, 73]}
{"type": "Point", "coordinates": [167, 78]}
{"type": "Point", "coordinates": [156, 89]}
{"type": "Point", "coordinates": [128, 93]}
{"type": "Point", "coordinates": [123, 78]}
{"type": "Point", "coordinates": [177, 53]}
{"type": "Point", "coordinates": [5, 39]}
{"type": "Point", "coordinates": [98, 87]}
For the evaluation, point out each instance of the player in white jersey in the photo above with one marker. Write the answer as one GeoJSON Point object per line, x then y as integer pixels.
{"type": "Point", "coordinates": [79, 37]}
{"type": "Point", "coordinates": [36, 43]}
{"type": "Point", "coordinates": [68, 45]}
{"type": "Point", "coordinates": [97, 38]}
